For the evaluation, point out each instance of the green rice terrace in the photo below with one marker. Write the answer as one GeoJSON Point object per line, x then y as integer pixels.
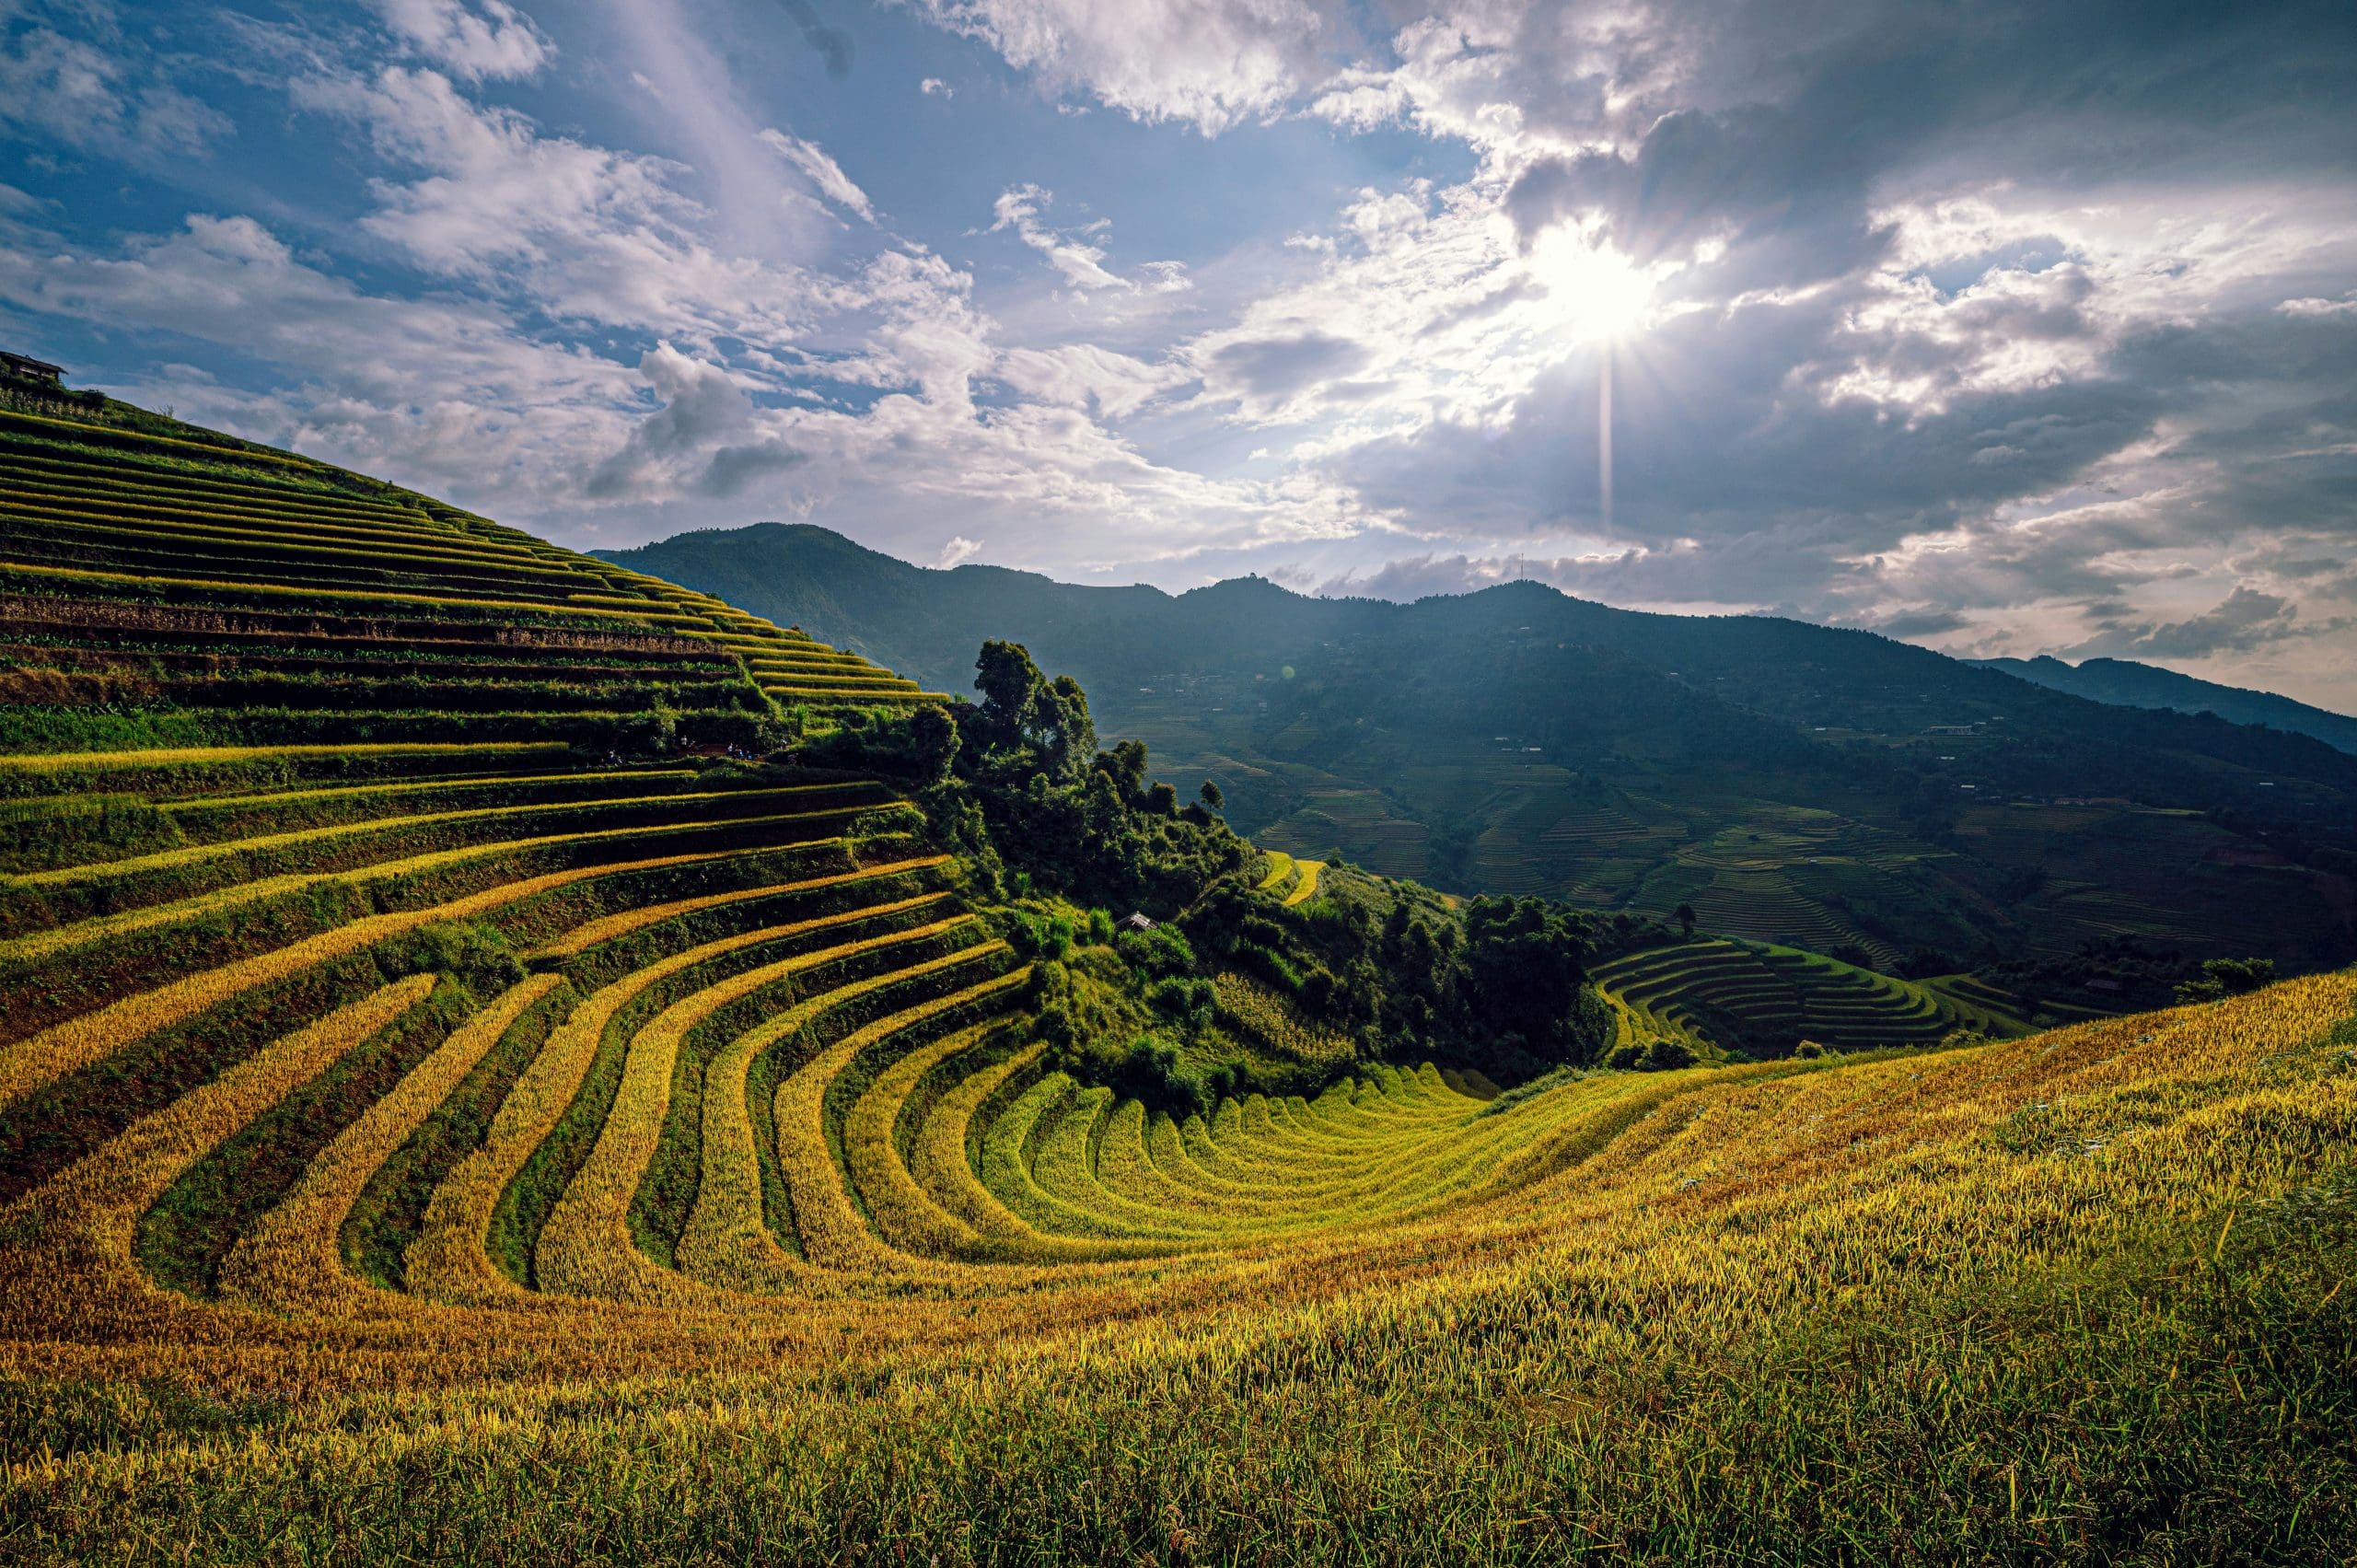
{"type": "Point", "coordinates": [503, 1059]}
{"type": "Point", "coordinates": [1730, 992]}
{"type": "Point", "coordinates": [260, 598]}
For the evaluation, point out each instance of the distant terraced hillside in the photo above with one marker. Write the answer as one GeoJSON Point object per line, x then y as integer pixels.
{"type": "Point", "coordinates": [1757, 996]}
{"type": "Point", "coordinates": [193, 589]}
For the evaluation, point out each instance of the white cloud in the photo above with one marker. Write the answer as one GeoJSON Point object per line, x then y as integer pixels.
{"type": "Point", "coordinates": [957, 550]}
{"type": "Point", "coordinates": [583, 232]}
{"type": "Point", "coordinates": [475, 39]}
{"type": "Point", "coordinates": [461, 399]}
{"type": "Point", "coordinates": [447, 394]}
{"type": "Point", "coordinates": [707, 438]}
{"type": "Point", "coordinates": [821, 171]}
{"type": "Point", "coordinates": [1083, 375]}
{"type": "Point", "coordinates": [1081, 264]}
{"type": "Point", "coordinates": [1214, 63]}
{"type": "Point", "coordinates": [107, 99]}
{"type": "Point", "coordinates": [2024, 379]}
{"type": "Point", "coordinates": [1072, 253]}
{"type": "Point", "coordinates": [1421, 577]}
{"type": "Point", "coordinates": [1420, 309]}
{"type": "Point", "coordinates": [1165, 277]}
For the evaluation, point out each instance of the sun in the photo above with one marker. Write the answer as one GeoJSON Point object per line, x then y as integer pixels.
{"type": "Point", "coordinates": [1598, 294]}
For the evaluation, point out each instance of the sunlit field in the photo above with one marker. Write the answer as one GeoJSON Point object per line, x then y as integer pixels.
{"type": "Point", "coordinates": [442, 1119]}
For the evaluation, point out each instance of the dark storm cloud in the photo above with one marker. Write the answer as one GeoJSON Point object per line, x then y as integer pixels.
{"type": "Point", "coordinates": [732, 468]}
{"type": "Point", "coordinates": [1742, 453]}
{"type": "Point", "coordinates": [703, 439]}
{"type": "Point", "coordinates": [1919, 623]}
{"type": "Point", "coordinates": [1784, 117]}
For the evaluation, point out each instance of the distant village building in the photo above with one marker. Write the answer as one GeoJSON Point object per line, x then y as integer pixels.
{"type": "Point", "coordinates": [1137, 922]}
{"type": "Point", "coordinates": [24, 367]}
{"type": "Point", "coordinates": [24, 380]}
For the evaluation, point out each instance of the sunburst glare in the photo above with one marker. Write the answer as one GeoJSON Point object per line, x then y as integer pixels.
{"type": "Point", "coordinates": [1600, 294]}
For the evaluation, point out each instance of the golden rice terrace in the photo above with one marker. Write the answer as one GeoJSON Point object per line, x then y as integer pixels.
{"type": "Point", "coordinates": [449, 1108]}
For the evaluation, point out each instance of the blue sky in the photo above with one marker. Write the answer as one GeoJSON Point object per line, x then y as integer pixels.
{"type": "Point", "coordinates": [2003, 327]}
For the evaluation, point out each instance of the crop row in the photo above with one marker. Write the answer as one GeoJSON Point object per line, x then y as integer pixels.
{"type": "Point", "coordinates": [127, 622]}
{"type": "Point", "coordinates": [32, 538]}
{"type": "Point", "coordinates": [813, 1114]}
{"type": "Point", "coordinates": [64, 518]}
{"type": "Point", "coordinates": [185, 497]}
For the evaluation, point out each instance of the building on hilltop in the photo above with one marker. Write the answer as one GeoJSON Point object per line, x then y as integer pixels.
{"type": "Point", "coordinates": [24, 380]}
{"type": "Point", "coordinates": [24, 367]}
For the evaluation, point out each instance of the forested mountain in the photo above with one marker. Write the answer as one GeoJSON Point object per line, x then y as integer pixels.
{"type": "Point", "coordinates": [1833, 789]}
{"type": "Point", "coordinates": [2126, 683]}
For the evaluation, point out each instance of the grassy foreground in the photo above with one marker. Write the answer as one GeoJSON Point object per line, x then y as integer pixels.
{"type": "Point", "coordinates": [2076, 1297]}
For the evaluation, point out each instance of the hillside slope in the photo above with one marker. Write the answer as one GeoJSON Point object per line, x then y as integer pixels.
{"type": "Point", "coordinates": [1826, 789]}
{"type": "Point", "coordinates": [2066, 1296]}
{"type": "Point", "coordinates": [483, 1132]}
{"type": "Point", "coordinates": [2126, 683]}
{"type": "Point", "coordinates": [162, 585]}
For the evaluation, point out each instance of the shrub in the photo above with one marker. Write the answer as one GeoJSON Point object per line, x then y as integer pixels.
{"type": "Point", "coordinates": [1157, 953]}
{"type": "Point", "coordinates": [2222, 978]}
{"type": "Point", "coordinates": [1186, 1002]}
{"type": "Point", "coordinates": [1667, 1054]}
{"type": "Point", "coordinates": [1039, 935]}
{"type": "Point", "coordinates": [1153, 1071]}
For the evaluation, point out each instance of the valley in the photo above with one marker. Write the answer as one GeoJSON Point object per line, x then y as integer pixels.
{"type": "Point", "coordinates": [1822, 789]}
{"type": "Point", "coordinates": [508, 1057]}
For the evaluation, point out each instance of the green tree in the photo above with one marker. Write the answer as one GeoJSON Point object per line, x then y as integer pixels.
{"type": "Point", "coordinates": [1009, 683]}
{"type": "Point", "coordinates": [1684, 916]}
{"type": "Point", "coordinates": [2222, 978]}
{"type": "Point", "coordinates": [1524, 971]}
{"type": "Point", "coordinates": [932, 734]}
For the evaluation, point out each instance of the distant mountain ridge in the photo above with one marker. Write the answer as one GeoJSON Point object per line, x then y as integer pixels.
{"type": "Point", "coordinates": [929, 620]}
{"type": "Point", "coordinates": [1833, 790]}
{"type": "Point", "coordinates": [2126, 683]}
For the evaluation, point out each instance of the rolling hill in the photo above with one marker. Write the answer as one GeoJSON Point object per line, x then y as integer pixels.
{"type": "Point", "coordinates": [2127, 683]}
{"type": "Point", "coordinates": [1824, 789]}
{"type": "Point", "coordinates": [452, 1109]}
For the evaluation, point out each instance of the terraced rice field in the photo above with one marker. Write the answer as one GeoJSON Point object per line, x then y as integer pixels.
{"type": "Point", "coordinates": [289, 600]}
{"type": "Point", "coordinates": [772, 1183]}
{"type": "Point", "coordinates": [1698, 988]}
{"type": "Point", "coordinates": [1289, 879]}
{"type": "Point", "coordinates": [453, 1141]}
{"type": "Point", "coordinates": [1324, 815]}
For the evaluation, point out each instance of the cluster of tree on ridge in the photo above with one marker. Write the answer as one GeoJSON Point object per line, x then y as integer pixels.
{"type": "Point", "coordinates": [1069, 836]}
